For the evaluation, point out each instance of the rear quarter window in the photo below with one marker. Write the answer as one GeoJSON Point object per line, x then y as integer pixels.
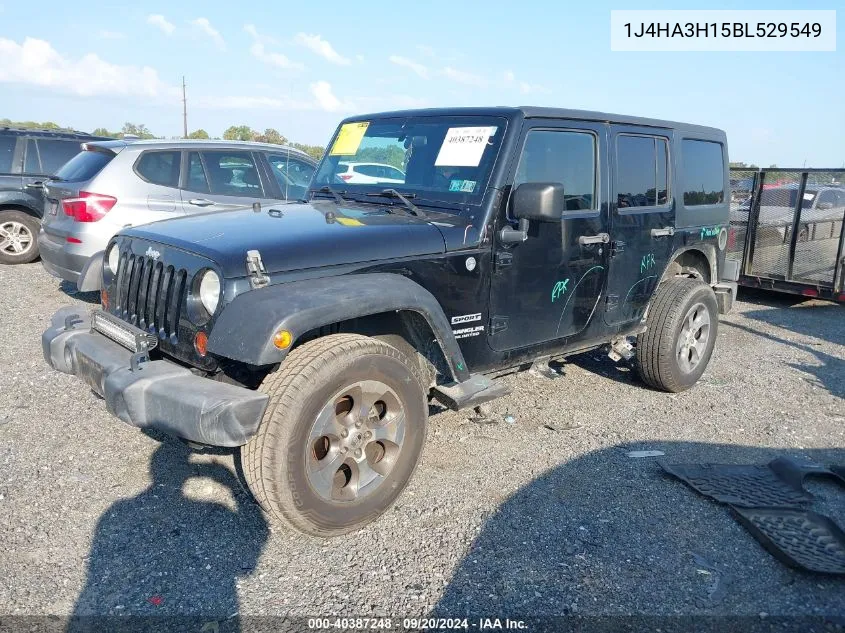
{"type": "Point", "coordinates": [703, 173]}
{"type": "Point", "coordinates": [160, 168]}
{"type": "Point", "coordinates": [84, 166]}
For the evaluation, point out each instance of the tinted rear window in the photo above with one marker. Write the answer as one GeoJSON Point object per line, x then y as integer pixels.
{"type": "Point", "coordinates": [160, 168]}
{"type": "Point", "coordinates": [704, 172]}
{"type": "Point", "coordinates": [84, 166]}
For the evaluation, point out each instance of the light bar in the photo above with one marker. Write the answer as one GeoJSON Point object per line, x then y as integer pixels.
{"type": "Point", "coordinates": [130, 337]}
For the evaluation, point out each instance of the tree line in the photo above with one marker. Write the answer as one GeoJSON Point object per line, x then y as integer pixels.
{"type": "Point", "coordinates": [232, 133]}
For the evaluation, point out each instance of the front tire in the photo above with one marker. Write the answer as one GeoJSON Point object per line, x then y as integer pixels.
{"type": "Point", "coordinates": [682, 325]}
{"type": "Point", "coordinates": [341, 437]}
{"type": "Point", "coordinates": [18, 237]}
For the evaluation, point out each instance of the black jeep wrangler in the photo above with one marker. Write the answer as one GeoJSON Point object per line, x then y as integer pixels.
{"type": "Point", "coordinates": [312, 335]}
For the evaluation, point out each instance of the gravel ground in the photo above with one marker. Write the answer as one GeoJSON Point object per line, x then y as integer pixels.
{"type": "Point", "coordinates": [547, 515]}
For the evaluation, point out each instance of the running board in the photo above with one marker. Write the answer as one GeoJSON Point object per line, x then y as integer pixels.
{"type": "Point", "coordinates": [477, 389]}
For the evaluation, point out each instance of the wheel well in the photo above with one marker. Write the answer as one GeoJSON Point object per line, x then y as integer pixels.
{"type": "Point", "coordinates": [21, 208]}
{"type": "Point", "coordinates": [691, 263]}
{"type": "Point", "coordinates": [406, 330]}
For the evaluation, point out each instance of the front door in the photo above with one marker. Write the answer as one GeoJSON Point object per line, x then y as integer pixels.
{"type": "Point", "coordinates": [641, 221]}
{"type": "Point", "coordinates": [548, 286]}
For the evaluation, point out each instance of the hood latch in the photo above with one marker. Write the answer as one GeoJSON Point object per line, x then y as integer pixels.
{"type": "Point", "coordinates": [255, 268]}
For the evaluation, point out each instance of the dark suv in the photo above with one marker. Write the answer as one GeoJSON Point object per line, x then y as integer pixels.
{"type": "Point", "coordinates": [312, 335]}
{"type": "Point", "coordinates": [27, 158]}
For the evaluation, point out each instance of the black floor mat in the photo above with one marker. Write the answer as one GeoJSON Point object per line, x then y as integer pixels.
{"type": "Point", "coordinates": [797, 538]}
{"type": "Point", "coordinates": [770, 501]}
{"type": "Point", "coordinates": [776, 484]}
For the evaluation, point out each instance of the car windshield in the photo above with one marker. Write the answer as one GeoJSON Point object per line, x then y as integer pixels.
{"type": "Point", "coordinates": [433, 158]}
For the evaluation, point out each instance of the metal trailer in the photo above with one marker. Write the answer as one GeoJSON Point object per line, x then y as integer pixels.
{"type": "Point", "coordinates": [786, 230]}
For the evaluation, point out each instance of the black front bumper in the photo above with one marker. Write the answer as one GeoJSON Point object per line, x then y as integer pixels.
{"type": "Point", "coordinates": [155, 394]}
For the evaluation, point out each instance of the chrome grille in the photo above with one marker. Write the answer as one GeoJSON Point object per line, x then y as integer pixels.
{"type": "Point", "coordinates": [150, 294]}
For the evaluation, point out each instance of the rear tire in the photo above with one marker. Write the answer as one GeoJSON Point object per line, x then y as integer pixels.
{"type": "Point", "coordinates": [682, 321]}
{"type": "Point", "coordinates": [341, 437]}
{"type": "Point", "coordinates": [18, 237]}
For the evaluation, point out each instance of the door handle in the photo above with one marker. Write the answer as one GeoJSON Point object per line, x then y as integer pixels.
{"type": "Point", "coordinates": [201, 202]}
{"type": "Point", "coordinates": [35, 185]}
{"type": "Point", "coordinates": [664, 232]}
{"type": "Point", "coordinates": [601, 238]}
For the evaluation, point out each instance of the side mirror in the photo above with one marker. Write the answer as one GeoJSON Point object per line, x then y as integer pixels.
{"type": "Point", "coordinates": [540, 201]}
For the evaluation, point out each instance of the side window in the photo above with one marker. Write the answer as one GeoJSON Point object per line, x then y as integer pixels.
{"type": "Point", "coordinates": [7, 150]}
{"type": "Point", "coordinates": [703, 176]}
{"type": "Point", "coordinates": [394, 173]}
{"type": "Point", "coordinates": [232, 174]}
{"type": "Point", "coordinates": [159, 168]}
{"type": "Point", "coordinates": [367, 170]}
{"type": "Point", "coordinates": [565, 157]}
{"type": "Point", "coordinates": [642, 174]}
{"type": "Point", "coordinates": [31, 165]}
{"type": "Point", "coordinates": [290, 170]}
{"type": "Point", "coordinates": [196, 174]}
{"type": "Point", "coordinates": [54, 154]}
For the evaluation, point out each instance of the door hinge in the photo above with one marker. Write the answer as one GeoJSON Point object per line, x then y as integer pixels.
{"type": "Point", "coordinates": [498, 324]}
{"type": "Point", "coordinates": [255, 268]}
{"type": "Point", "coordinates": [504, 259]}
{"type": "Point", "coordinates": [616, 247]}
{"type": "Point", "coordinates": [611, 302]}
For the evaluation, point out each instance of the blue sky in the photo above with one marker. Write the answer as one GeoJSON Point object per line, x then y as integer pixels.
{"type": "Point", "coordinates": [300, 67]}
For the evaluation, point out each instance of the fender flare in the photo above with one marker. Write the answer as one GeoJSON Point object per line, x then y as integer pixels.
{"type": "Point", "coordinates": [21, 200]}
{"type": "Point", "coordinates": [707, 250]}
{"type": "Point", "coordinates": [244, 330]}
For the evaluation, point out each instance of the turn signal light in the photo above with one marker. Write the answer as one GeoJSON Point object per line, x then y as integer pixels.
{"type": "Point", "coordinates": [201, 343]}
{"type": "Point", "coordinates": [282, 339]}
{"type": "Point", "coordinates": [104, 298]}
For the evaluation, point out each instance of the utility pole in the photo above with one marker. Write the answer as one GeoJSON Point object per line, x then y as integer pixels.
{"type": "Point", "coordinates": [184, 110]}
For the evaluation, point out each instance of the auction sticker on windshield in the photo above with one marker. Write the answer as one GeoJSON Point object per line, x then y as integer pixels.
{"type": "Point", "coordinates": [349, 138]}
{"type": "Point", "coordinates": [464, 146]}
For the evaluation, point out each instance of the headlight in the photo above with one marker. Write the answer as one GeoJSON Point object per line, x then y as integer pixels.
{"type": "Point", "coordinates": [210, 290]}
{"type": "Point", "coordinates": [113, 258]}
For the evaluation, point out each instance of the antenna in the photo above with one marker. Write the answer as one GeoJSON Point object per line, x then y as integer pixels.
{"type": "Point", "coordinates": [184, 110]}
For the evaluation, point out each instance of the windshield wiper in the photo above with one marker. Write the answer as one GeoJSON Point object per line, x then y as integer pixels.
{"type": "Point", "coordinates": [392, 193]}
{"type": "Point", "coordinates": [338, 195]}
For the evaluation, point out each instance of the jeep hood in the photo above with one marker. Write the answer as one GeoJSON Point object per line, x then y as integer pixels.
{"type": "Point", "coordinates": [296, 236]}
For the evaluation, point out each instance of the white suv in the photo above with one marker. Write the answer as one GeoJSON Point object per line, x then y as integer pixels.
{"type": "Point", "coordinates": [113, 184]}
{"type": "Point", "coordinates": [369, 173]}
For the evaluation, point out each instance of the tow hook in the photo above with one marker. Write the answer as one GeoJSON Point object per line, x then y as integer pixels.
{"type": "Point", "coordinates": [621, 348]}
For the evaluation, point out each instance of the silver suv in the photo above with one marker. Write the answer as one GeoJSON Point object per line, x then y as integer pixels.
{"type": "Point", "coordinates": [110, 185]}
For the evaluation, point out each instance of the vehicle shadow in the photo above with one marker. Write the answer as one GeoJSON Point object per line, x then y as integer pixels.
{"type": "Point", "coordinates": [169, 558]}
{"type": "Point", "coordinates": [69, 288]}
{"type": "Point", "coordinates": [607, 534]}
{"type": "Point", "coordinates": [829, 373]}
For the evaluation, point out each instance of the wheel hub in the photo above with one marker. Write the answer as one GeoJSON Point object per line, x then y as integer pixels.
{"type": "Point", "coordinates": [15, 238]}
{"type": "Point", "coordinates": [355, 441]}
{"type": "Point", "coordinates": [693, 338]}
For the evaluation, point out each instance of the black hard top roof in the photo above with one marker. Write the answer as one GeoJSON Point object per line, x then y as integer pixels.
{"type": "Point", "coordinates": [537, 112]}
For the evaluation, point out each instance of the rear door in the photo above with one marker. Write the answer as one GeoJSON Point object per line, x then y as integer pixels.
{"type": "Point", "coordinates": [642, 219]}
{"type": "Point", "coordinates": [217, 180]}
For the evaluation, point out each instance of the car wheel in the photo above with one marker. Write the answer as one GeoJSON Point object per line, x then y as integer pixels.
{"type": "Point", "coordinates": [18, 237]}
{"type": "Point", "coordinates": [682, 324]}
{"type": "Point", "coordinates": [341, 437]}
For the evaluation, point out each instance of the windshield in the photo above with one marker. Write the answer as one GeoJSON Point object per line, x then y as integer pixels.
{"type": "Point", "coordinates": [438, 158]}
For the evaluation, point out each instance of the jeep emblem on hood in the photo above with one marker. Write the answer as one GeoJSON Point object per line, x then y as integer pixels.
{"type": "Point", "coordinates": [151, 252]}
